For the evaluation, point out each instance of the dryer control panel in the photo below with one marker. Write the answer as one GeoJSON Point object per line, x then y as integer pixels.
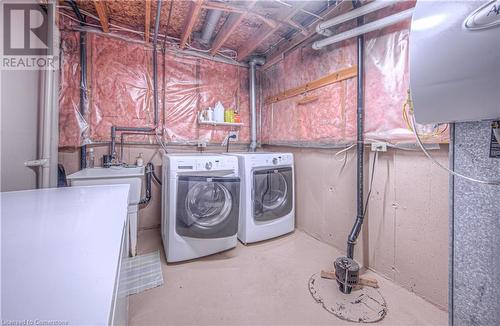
{"type": "Point", "coordinates": [272, 159]}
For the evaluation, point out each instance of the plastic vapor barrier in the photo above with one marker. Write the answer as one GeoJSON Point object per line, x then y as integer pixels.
{"type": "Point", "coordinates": [327, 116]}
{"type": "Point", "coordinates": [120, 92]}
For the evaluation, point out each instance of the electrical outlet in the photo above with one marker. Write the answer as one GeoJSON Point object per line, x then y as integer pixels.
{"type": "Point", "coordinates": [201, 144]}
{"type": "Point", "coordinates": [379, 147]}
{"type": "Point", "coordinates": [235, 134]}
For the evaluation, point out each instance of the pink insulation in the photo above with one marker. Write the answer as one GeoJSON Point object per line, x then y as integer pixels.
{"type": "Point", "coordinates": [331, 118]}
{"type": "Point", "coordinates": [71, 124]}
{"type": "Point", "coordinates": [120, 92]}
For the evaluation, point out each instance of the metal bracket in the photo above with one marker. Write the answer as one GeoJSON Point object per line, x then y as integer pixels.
{"type": "Point", "coordinates": [35, 163]}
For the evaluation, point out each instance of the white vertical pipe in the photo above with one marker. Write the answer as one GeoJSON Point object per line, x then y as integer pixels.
{"type": "Point", "coordinates": [49, 130]}
{"type": "Point", "coordinates": [253, 108]}
{"type": "Point", "coordinates": [252, 84]}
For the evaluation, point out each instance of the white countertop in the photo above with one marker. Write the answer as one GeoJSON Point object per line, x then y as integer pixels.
{"type": "Point", "coordinates": [60, 253]}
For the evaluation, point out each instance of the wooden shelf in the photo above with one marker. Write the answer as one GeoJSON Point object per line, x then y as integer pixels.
{"type": "Point", "coordinates": [227, 124]}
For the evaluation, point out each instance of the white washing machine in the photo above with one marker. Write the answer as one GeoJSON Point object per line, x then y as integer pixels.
{"type": "Point", "coordinates": [200, 205]}
{"type": "Point", "coordinates": [267, 207]}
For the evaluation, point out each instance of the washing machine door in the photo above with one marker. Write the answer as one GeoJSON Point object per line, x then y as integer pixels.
{"type": "Point", "coordinates": [273, 193]}
{"type": "Point", "coordinates": [207, 207]}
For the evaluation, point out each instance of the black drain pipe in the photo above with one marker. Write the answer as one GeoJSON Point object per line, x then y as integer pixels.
{"type": "Point", "coordinates": [346, 268]}
{"type": "Point", "coordinates": [356, 229]}
{"type": "Point", "coordinates": [83, 75]}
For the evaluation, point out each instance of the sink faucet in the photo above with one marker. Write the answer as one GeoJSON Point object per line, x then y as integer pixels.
{"type": "Point", "coordinates": [114, 129]}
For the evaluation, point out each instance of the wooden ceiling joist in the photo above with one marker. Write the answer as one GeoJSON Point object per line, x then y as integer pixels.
{"type": "Point", "coordinates": [147, 21]}
{"type": "Point", "coordinates": [333, 11]}
{"type": "Point", "coordinates": [232, 22]}
{"type": "Point", "coordinates": [264, 32]}
{"type": "Point", "coordinates": [100, 7]}
{"type": "Point", "coordinates": [194, 13]}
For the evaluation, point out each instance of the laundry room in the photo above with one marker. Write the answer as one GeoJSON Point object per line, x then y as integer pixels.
{"type": "Point", "coordinates": [257, 162]}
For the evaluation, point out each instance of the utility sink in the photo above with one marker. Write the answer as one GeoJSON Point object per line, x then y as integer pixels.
{"type": "Point", "coordinates": [113, 175]}
{"type": "Point", "coordinates": [116, 175]}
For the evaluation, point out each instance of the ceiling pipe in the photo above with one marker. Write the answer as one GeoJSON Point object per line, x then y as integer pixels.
{"type": "Point", "coordinates": [253, 63]}
{"type": "Point", "coordinates": [366, 28]}
{"type": "Point", "coordinates": [210, 25]}
{"type": "Point", "coordinates": [321, 28]}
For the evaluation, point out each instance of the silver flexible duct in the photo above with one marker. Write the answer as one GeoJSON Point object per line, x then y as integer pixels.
{"type": "Point", "coordinates": [254, 62]}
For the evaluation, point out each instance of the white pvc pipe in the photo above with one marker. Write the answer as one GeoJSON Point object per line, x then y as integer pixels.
{"type": "Point", "coordinates": [358, 12]}
{"type": "Point", "coordinates": [370, 27]}
{"type": "Point", "coordinates": [49, 130]}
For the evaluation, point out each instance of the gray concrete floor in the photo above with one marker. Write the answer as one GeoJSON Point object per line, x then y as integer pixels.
{"type": "Point", "coordinates": [260, 284]}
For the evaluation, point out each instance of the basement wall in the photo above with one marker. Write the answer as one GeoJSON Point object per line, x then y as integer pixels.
{"type": "Point", "coordinates": [120, 92]}
{"type": "Point", "coordinates": [405, 234]}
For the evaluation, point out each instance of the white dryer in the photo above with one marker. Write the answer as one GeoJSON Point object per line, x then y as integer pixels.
{"type": "Point", "coordinates": [267, 207]}
{"type": "Point", "coordinates": [200, 205]}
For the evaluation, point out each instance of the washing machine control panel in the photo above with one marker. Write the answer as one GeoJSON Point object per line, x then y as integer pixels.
{"type": "Point", "coordinates": [210, 164]}
{"type": "Point", "coordinates": [202, 163]}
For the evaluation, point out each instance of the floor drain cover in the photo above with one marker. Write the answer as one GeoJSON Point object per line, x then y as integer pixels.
{"type": "Point", "coordinates": [363, 304]}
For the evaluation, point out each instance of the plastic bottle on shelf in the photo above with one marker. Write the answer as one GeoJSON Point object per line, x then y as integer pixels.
{"type": "Point", "coordinates": [236, 117]}
{"type": "Point", "coordinates": [218, 112]}
{"type": "Point", "coordinates": [91, 159]}
{"type": "Point", "coordinates": [210, 114]}
{"type": "Point", "coordinates": [229, 116]}
{"type": "Point", "coordinates": [139, 160]}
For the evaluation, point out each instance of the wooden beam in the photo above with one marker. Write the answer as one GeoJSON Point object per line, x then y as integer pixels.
{"type": "Point", "coordinates": [232, 22]}
{"type": "Point", "coordinates": [264, 32]}
{"type": "Point", "coordinates": [240, 10]}
{"type": "Point", "coordinates": [311, 31]}
{"type": "Point", "coordinates": [298, 27]}
{"type": "Point", "coordinates": [100, 7]}
{"type": "Point", "coordinates": [315, 84]}
{"type": "Point", "coordinates": [194, 13]}
{"type": "Point", "coordinates": [147, 21]}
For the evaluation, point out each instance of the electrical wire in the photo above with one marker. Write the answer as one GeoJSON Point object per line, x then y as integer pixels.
{"type": "Point", "coordinates": [371, 184]}
{"type": "Point", "coordinates": [408, 110]}
{"type": "Point", "coordinates": [456, 174]}
{"type": "Point", "coordinates": [225, 53]}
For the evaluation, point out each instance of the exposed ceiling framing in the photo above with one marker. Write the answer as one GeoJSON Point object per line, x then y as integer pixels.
{"type": "Point", "coordinates": [194, 13]}
{"type": "Point", "coordinates": [264, 32]}
{"type": "Point", "coordinates": [231, 24]}
{"type": "Point", "coordinates": [100, 7]}
{"type": "Point", "coordinates": [249, 28]}
{"type": "Point", "coordinates": [147, 21]}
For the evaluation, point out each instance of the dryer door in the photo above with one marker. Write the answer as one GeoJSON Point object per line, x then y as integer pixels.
{"type": "Point", "coordinates": [207, 207]}
{"type": "Point", "coordinates": [273, 193]}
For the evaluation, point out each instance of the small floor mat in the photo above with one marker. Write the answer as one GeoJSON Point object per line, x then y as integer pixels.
{"type": "Point", "coordinates": [141, 273]}
{"type": "Point", "coordinates": [363, 304]}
